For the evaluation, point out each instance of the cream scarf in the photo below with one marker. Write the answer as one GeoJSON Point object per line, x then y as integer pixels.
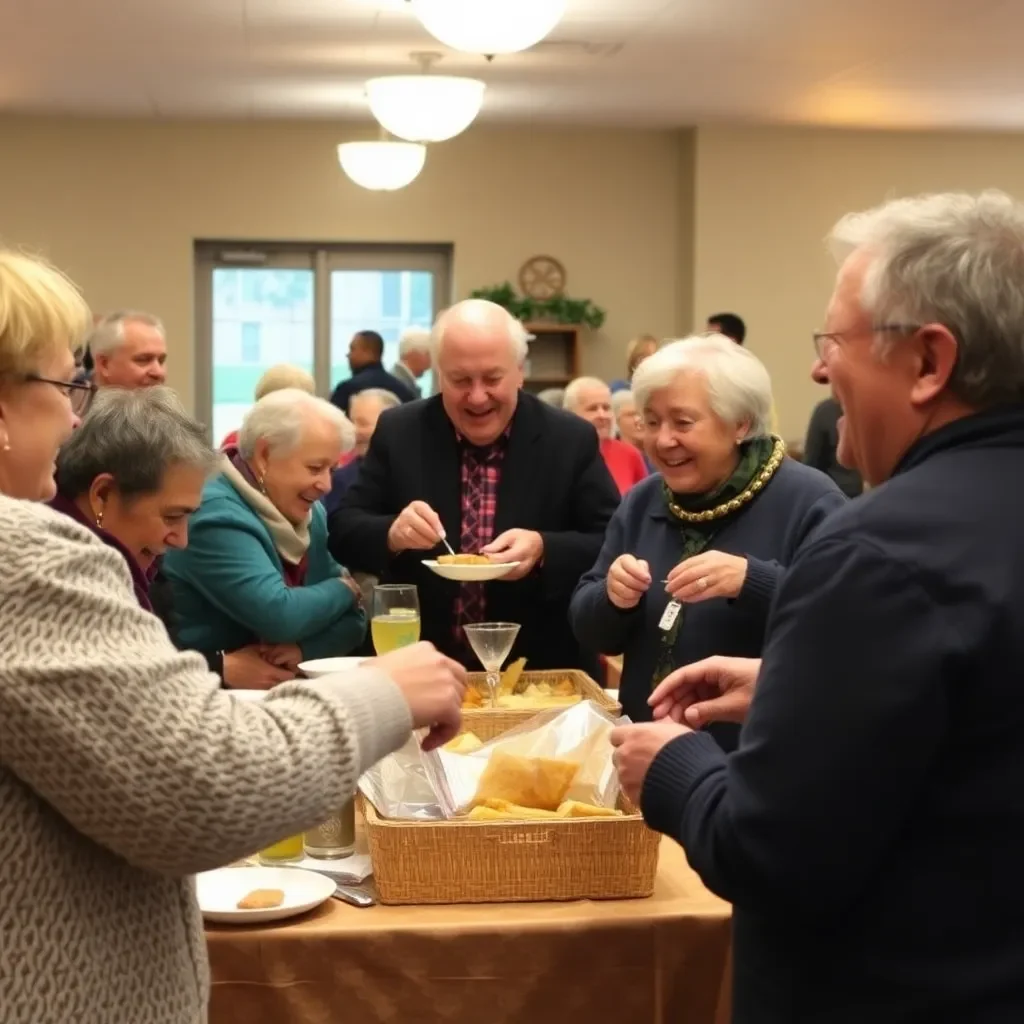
{"type": "Point", "coordinates": [291, 542]}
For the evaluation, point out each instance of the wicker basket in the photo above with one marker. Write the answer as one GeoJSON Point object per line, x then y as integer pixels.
{"type": "Point", "coordinates": [490, 722]}
{"type": "Point", "coordinates": [512, 861]}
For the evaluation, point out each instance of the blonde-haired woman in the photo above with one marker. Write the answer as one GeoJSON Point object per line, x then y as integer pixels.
{"type": "Point", "coordinates": [124, 767]}
{"type": "Point", "coordinates": [638, 349]}
{"type": "Point", "coordinates": [717, 525]}
{"type": "Point", "coordinates": [277, 378]}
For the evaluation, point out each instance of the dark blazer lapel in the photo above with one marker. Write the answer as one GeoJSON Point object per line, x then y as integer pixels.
{"type": "Point", "coordinates": [441, 468]}
{"type": "Point", "coordinates": [518, 467]}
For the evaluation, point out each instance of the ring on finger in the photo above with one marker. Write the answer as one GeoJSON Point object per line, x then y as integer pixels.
{"type": "Point", "coordinates": [703, 584]}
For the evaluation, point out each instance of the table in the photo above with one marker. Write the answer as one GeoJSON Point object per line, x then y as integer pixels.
{"type": "Point", "coordinates": [660, 959]}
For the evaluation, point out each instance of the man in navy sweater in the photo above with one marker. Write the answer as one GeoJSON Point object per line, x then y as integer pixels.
{"type": "Point", "coordinates": [869, 829]}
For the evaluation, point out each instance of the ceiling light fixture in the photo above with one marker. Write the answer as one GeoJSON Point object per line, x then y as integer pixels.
{"type": "Point", "coordinates": [382, 166]}
{"type": "Point", "coordinates": [489, 26]}
{"type": "Point", "coordinates": [425, 107]}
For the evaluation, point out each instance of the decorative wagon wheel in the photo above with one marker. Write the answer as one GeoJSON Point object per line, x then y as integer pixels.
{"type": "Point", "coordinates": [542, 277]}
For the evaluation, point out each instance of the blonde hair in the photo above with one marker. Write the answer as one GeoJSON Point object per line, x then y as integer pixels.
{"type": "Point", "coordinates": [282, 376]}
{"type": "Point", "coordinates": [635, 347]}
{"type": "Point", "coordinates": [42, 313]}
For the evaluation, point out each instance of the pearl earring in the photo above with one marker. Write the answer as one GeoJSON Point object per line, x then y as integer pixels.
{"type": "Point", "coordinates": [99, 519]}
{"type": "Point", "coordinates": [263, 489]}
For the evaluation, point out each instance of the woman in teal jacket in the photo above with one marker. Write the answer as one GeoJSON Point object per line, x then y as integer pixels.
{"type": "Point", "coordinates": [257, 569]}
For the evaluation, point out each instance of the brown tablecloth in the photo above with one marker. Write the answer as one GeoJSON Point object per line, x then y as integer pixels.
{"type": "Point", "coordinates": [661, 959]}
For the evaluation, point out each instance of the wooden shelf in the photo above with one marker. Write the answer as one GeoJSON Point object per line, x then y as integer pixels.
{"type": "Point", "coordinates": [554, 357]}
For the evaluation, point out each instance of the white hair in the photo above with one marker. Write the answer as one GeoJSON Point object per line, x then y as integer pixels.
{"type": "Point", "coordinates": [480, 311]}
{"type": "Point", "coordinates": [108, 334]}
{"type": "Point", "coordinates": [553, 396]}
{"type": "Point", "coordinates": [413, 339]}
{"type": "Point", "coordinates": [620, 399]}
{"type": "Point", "coordinates": [284, 375]}
{"type": "Point", "coordinates": [387, 399]}
{"type": "Point", "coordinates": [576, 387]}
{"type": "Point", "coordinates": [279, 419]}
{"type": "Point", "coordinates": [739, 388]}
{"type": "Point", "coordinates": [953, 259]}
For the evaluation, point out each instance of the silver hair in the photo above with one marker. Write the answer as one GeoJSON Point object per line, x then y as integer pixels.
{"type": "Point", "coordinates": [108, 334]}
{"type": "Point", "coordinates": [387, 399]}
{"type": "Point", "coordinates": [952, 259]}
{"type": "Point", "coordinates": [413, 339]}
{"type": "Point", "coordinates": [135, 436]}
{"type": "Point", "coordinates": [279, 419]}
{"type": "Point", "coordinates": [620, 399]}
{"type": "Point", "coordinates": [519, 337]}
{"type": "Point", "coordinates": [553, 396]}
{"type": "Point", "coordinates": [575, 387]}
{"type": "Point", "coordinates": [739, 388]}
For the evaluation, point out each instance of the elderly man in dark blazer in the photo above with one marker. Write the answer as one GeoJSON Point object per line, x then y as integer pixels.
{"type": "Point", "coordinates": [494, 470]}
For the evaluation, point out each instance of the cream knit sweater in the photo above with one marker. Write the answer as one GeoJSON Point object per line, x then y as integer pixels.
{"type": "Point", "coordinates": [125, 769]}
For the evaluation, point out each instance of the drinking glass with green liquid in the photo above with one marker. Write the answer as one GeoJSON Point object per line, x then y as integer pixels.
{"type": "Point", "coordinates": [396, 617]}
{"type": "Point", "coordinates": [287, 851]}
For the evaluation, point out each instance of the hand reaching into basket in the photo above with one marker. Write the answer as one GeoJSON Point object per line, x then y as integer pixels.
{"type": "Point", "coordinates": [433, 687]}
{"type": "Point", "coordinates": [636, 747]}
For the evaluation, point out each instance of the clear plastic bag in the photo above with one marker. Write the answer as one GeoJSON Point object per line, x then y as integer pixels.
{"type": "Point", "coordinates": [578, 734]}
{"type": "Point", "coordinates": [398, 785]}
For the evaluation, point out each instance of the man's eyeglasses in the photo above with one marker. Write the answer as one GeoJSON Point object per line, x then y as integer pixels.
{"type": "Point", "coordinates": [80, 392]}
{"type": "Point", "coordinates": [825, 340]}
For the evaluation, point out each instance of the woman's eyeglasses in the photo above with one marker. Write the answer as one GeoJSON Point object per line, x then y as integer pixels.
{"type": "Point", "coordinates": [80, 392]}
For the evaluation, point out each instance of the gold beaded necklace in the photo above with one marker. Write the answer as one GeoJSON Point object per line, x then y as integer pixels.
{"type": "Point", "coordinates": [741, 499]}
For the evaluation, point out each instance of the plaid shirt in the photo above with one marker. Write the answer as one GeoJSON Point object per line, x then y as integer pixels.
{"type": "Point", "coordinates": [480, 476]}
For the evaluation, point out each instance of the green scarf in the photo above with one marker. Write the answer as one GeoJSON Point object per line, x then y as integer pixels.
{"type": "Point", "coordinates": [754, 456]}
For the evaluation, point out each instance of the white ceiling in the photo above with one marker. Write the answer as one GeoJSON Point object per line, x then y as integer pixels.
{"type": "Point", "coordinates": [646, 62]}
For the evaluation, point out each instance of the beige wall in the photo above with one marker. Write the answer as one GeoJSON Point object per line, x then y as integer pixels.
{"type": "Point", "coordinates": [765, 199]}
{"type": "Point", "coordinates": [660, 228]}
{"type": "Point", "coordinates": [119, 203]}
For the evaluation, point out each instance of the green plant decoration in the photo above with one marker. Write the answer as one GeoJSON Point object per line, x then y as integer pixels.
{"type": "Point", "coordinates": [560, 309]}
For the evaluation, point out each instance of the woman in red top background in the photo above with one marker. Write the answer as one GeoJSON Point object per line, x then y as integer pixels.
{"type": "Point", "coordinates": [591, 399]}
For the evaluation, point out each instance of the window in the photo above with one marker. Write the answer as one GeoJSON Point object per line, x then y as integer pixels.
{"type": "Point", "coordinates": [301, 305]}
{"type": "Point", "coordinates": [251, 349]}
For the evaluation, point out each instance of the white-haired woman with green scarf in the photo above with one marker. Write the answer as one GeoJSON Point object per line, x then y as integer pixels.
{"type": "Point", "coordinates": [693, 555]}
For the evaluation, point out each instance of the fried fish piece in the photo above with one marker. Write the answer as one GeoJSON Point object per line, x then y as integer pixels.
{"type": "Point", "coordinates": [472, 698]}
{"type": "Point", "coordinates": [261, 899]}
{"type": "Point", "coordinates": [464, 743]}
{"type": "Point", "coordinates": [511, 676]}
{"type": "Point", "coordinates": [463, 560]}
{"type": "Point", "coordinates": [502, 810]}
{"type": "Point", "coordinates": [538, 782]}
{"type": "Point", "coordinates": [578, 809]}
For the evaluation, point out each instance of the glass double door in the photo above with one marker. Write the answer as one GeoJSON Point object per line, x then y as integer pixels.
{"type": "Point", "coordinates": [257, 308]}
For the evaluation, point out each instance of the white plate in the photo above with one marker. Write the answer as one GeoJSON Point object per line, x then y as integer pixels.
{"type": "Point", "coordinates": [219, 891]}
{"type": "Point", "coordinates": [470, 573]}
{"type": "Point", "coordinates": [328, 666]}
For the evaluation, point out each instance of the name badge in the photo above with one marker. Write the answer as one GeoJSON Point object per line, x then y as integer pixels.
{"type": "Point", "coordinates": [669, 616]}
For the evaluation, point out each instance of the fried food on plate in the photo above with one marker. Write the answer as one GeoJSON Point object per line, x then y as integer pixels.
{"type": "Point", "coordinates": [261, 899]}
{"type": "Point", "coordinates": [537, 782]}
{"type": "Point", "coordinates": [463, 560]}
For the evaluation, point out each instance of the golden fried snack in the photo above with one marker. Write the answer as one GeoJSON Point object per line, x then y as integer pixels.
{"type": "Point", "coordinates": [502, 810]}
{"type": "Point", "coordinates": [261, 899]}
{"type": "Point", "coordinates": [463, 560]}
{"type": "Point", "coordinates": [538, 782]}
{"type": "Point", "coordinates": [536, 701]}
{"type": "Point", "coordinates": [464, 743]}
{"type": "Point", "coordinates": [511, 676]}
{"type": "Point", "coordinates": [577, 809]}
{"type": "Point", "coordinates": [472, 698]}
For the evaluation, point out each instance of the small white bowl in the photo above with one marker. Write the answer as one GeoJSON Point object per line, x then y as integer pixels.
{"type": "Point", "coordinates": [328, 666]}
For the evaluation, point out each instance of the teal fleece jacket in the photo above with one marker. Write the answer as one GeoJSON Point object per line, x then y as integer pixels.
{"type": "Point", "coordinates": [229, 588]}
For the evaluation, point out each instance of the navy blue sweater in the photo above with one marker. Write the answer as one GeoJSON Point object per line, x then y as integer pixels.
{"type": "Point", "coordinates": [870, 829]}
{"type": "Point", "coordinates": [767, 533]}
{"type": "Point", "coordinates": [373, 376]}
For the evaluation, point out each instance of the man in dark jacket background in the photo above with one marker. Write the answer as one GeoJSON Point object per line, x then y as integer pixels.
{"type": "Point", "coordinates": [495, 471]}
{"type": "Point", "coordinates": [869, 830]}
